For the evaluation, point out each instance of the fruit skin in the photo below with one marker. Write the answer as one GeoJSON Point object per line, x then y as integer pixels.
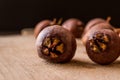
{"type": "Point", "coordinates": [41, 25]}
{"type": "Point", "coordinates": [75, 26]}
{"type": "Point", "coordinates": [66, 37]}
{"type": "Point", "coordinates": [110, 54]}
{"type": "Point", "coordinates": [92, 23]}
{"type": "Point", "coordinates": [96, 28]}
{"type": "Point", "coordinates": [117, 30]}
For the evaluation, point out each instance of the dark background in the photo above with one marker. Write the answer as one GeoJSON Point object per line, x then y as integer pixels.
{"type": "Point", "coordinates": [18, 14]}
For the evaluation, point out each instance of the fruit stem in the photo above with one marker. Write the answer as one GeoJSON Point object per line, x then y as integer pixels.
{"type": "Point", "coordinates": [60, 21]}
{"type": "Point", "coordinates": [108, 19]}
{"type": "Point", "coordinates": [54, 21]}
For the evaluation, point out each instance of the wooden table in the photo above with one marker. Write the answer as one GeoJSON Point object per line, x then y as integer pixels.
{"type": "Point", "coordinates": [19, 61]}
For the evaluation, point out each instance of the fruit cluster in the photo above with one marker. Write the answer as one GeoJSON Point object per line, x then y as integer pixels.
{"type": "Point", "coordinates": [56, 41]}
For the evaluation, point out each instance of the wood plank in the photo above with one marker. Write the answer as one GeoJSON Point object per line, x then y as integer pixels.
{"type": "Point", "coordinates": [19, 61]}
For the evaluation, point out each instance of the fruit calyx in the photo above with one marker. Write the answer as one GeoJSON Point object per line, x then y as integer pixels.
{"type": "Point", "coordinates": [53, 47]}
{"type": "Point", "coordinates": [99, 42]}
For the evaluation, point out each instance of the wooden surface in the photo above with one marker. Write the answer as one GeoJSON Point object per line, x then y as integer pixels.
{"type": "Point", "coordinates": [19, 61]}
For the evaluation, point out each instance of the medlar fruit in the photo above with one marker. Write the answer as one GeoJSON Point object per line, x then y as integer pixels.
{"type": "Point", "coordinates": [41, 25]}
{"type": "Point", "coordinates": [75, 26]}
{"type": "Point", "coordinates": [45, 23]}
{"type": "Point", "coordinates": [56, 44]}
{"type": "Point", "coordinates": [117, 30]}
{"type": "Point", "coordinates": [95, 28]}
{"type": "Point", "coordinates": [103, 46]}
{"type": "Point", "coordinates": [93, 22]}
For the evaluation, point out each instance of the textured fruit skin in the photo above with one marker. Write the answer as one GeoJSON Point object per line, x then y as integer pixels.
{"type": "Point", "coordinates": [40, 26]}
{"type": "Point", "coordinates": [110, 54]}
{"type": "Point", "coordinates": [117, 30]}
{"type": "Point", "coordinates": [96, 28]}
{"type": "Point", "coordinates": [91, 23]}
{"type": "Point", "coordinates": [75, 26]}
{"type": "Point", "coordinates": [66, 37]}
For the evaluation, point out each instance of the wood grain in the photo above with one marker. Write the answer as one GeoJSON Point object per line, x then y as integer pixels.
{"type": "Point", "coordinates": [19, 61]}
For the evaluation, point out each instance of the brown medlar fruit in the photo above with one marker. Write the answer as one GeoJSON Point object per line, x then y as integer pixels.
{"type": "Point", "coordinates": [45, 23]}
{"type": "Point", "coordinates": [103, 46]}
{"type": "Point", "coordinates": [56, 44]}
{"type": "Point", "coordinates": [117, 30]}
{"type": "Point", "coordinates": [41, 25]}
{"type": "Point", "coordinates": [94, 22]}
{"type": "Point", "coordinates": [96, 28]}
{"type": "Point", "coordinates": [91, 23]}
{"type": "Point", "coordinates": [75, 26]}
